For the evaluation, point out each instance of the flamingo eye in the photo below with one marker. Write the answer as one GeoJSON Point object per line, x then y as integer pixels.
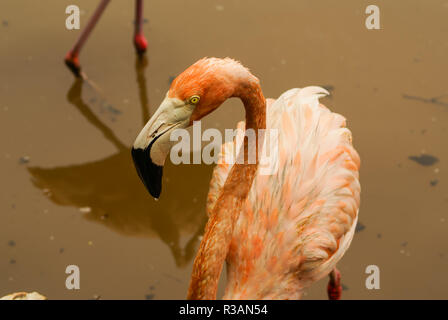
{"type": "Point", "coordinates": [194, 99]}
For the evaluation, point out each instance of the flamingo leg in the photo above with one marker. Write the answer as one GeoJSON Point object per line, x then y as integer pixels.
{"type": "Point", "coordinates": [140, 42]}
{"type": "Point", "coordinates": [72, 57]}
{"type": "Point", "coordinates": [140, 66]}
{"type": "Point", "coordinates": [334, 288]}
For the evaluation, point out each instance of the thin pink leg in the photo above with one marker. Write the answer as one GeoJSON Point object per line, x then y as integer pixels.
{"type": "Point", "coordinates": [72, 57]}
{"type": "Point", "coordinates": [140, 42]}
{"type": "Point", "coordinates": [334, 288]}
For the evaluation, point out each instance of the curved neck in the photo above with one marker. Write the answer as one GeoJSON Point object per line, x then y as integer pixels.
{"type": "Point", "coordinates": [214, 246]}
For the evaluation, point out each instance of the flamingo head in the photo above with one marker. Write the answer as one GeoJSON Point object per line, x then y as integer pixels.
{"type": "Point", "coordinates": [196, 92]}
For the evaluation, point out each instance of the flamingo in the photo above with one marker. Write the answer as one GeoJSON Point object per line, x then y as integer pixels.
{"type": "Point", "coordinates": [277, 233]}
{"type": "Point", "coordinates": [24, 296]}
{"type": "Point", "coordinates": [140, 42]}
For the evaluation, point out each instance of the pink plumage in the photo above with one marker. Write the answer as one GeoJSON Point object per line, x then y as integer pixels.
{"type": "Point", "coordinates": [296, 224]}
{"type": "Point", "coordinates": [280, 229]}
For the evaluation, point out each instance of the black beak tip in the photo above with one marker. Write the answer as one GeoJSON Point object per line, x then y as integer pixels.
{"type": "Point", "coordinates": [150, 173]}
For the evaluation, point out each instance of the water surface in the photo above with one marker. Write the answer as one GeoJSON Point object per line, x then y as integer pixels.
{"type": "Point", "coordinates": [69, 193]}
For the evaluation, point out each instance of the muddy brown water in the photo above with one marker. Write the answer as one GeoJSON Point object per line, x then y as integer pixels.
{"type": "Point", "coordinates": [68, 190]}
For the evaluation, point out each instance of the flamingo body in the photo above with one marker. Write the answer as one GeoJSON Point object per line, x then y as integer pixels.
{"type": "Point", "coordinates": [297, 223]}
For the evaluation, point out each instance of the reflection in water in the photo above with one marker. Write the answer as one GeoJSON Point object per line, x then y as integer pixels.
{"type": "Point", "coordinates": [117, 199]}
